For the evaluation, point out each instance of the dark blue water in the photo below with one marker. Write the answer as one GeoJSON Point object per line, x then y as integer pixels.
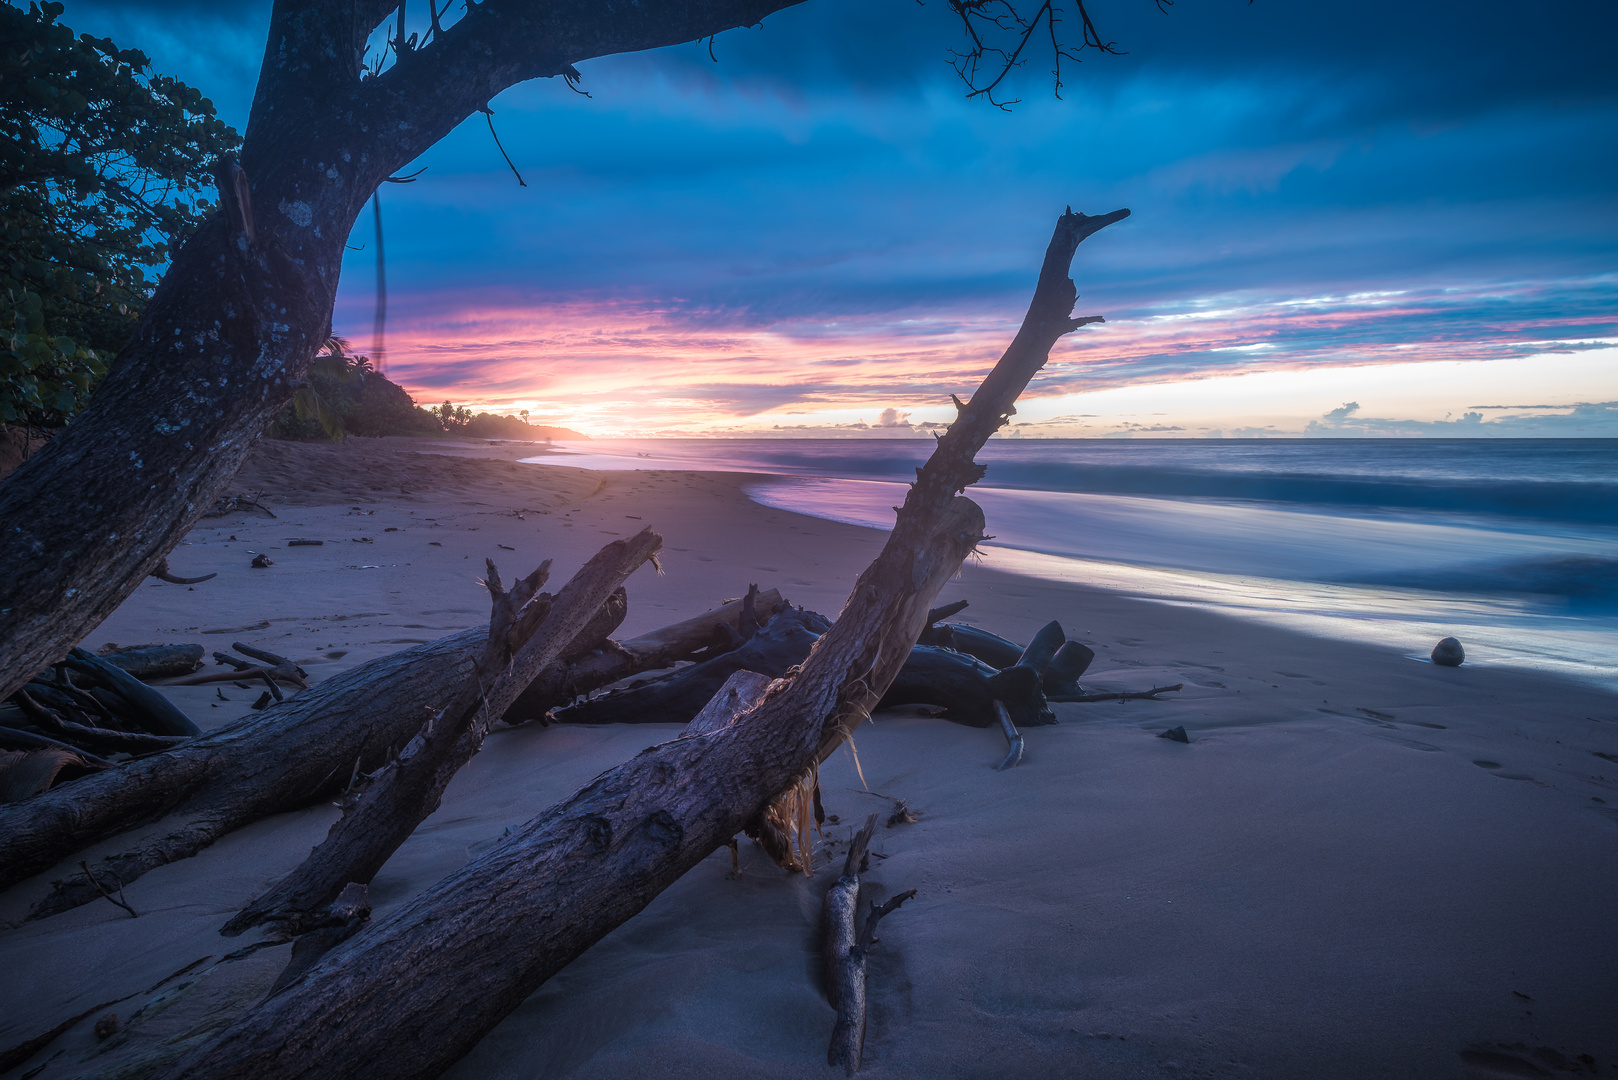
{"type": "Point", "coordinates": [1505, 538]}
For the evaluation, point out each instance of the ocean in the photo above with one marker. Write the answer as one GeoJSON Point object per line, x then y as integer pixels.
{"type": "Point", "coordinates": [1510, 545]}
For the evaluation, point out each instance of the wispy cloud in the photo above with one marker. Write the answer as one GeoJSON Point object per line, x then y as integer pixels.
{"type": "Point", "coordinates": [819, 229]}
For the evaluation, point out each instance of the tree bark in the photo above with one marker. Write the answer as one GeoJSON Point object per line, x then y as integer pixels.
{"type": "Point", "coordinates": [229, 334]}
{"type": "Point", "coordinates": [843, 955]}
{"type": "Point", "coordinates": [523, 638]}
{"type": "Point", "coordinates": [294, 754]}
{"type": "Point", "coordinates": [609, 661]}
{"type": "Point", "coordinates": [411, 994]}
{"type": "Point", "coordinates": [782, 644]}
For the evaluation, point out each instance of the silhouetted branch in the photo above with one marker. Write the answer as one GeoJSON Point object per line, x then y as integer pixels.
{"type": "Point", "coordinates": [488, 114]}
{"type": "Point", "coordinates": [998, 33]}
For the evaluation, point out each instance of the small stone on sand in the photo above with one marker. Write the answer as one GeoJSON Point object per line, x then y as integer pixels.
{"type": "Point", "coordinates": [1448, 653]}
{"type": "Point", "coordinates": [1177, 734]}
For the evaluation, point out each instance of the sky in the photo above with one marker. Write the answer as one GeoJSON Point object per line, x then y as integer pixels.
{"type": "Point", "coordinates": [1348, 219]}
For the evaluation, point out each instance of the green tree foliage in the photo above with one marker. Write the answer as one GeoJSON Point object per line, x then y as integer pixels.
{"type": "Point", "coordinates": [347, 396]}
{"type": "Point", "coordinates": [103, 169]}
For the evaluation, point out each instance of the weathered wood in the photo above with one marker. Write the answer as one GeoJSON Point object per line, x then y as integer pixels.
{"type": "Point", "coordinates": [84, 737]}
{"type": "Point", "coordinates": [843, 956]}
{"type": "Point", "coordinates": [740, 693]}
{"type": "Point", "coordinates": [1137, 695]}
{"type": "Point", "coordinates": [992, 649]}
{"type": "Point", "coordinates": [341, 920]}
{"type": "Point", "coordinates": [783, 643]}
{"type": "Point", "coordinates": [296, 753]}
{"type": "Point", "coordinates": [454, 960]}
{"type": "Point", "coordinates": [953, 681]}
{"type": "Point", "coordinates": [156, 661]}
{"type": "Point", "coordinates": [156, 713]}
{"type": "Point", "coordinates": [161, 572]}
{"type": "Point", "coordinates": [267, 762]}
{"type": "Point", "coordinates": [527, 631]}
{"type": "Point", "coordinates": [263, 656]}
{"type": "Point", "coordinates": [33, 740]}
{"type": "Point", "coordinates": [286, 674]}
{"type": "Point", "coordinates": [843, 978]}
{"type": "Point", "coordinates": [412, 993]}
{"type": "Point", "coordinates": [1042, 647]}
{"type": "Point", "coordinates": [1014, 743]}
{"type": "Point", "coordinates": [559, 683]}
{"type": "Point", "coordinates": [1061, 677]}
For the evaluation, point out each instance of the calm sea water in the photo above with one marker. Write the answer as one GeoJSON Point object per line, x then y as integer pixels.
{"type": "Point", "coordinates": [1510, 545]}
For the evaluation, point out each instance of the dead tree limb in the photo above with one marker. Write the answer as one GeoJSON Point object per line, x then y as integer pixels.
{"type": "Point", "coordinates": [738, 695]}
{"type": "Point", "coordinates": [611, 661]}
{"type": "Point", "coordinates": [1138, 695]}
{"type": "Point", "coordinates": [1014, 741]}
{"type": "Point", "coordinates": [250, 671]}
{"type": "Point", "coordinates": [843, 956]}
{"type": "Point", "coordinates": [289, 756]}
{"type": "Point", "coordinates": [102, 889]}
{"type": "Point", "coordinates": [782, 644]}
{"type": "Point", "coordinates": [32, 740]}
{"type": "Point", "coordinates": [162, 574]}
{"type": "Point", "coordinates": [156, 661]}
{"type": "Point", "coordinates": [844, 975]}
{"type": "Point", "coordinates": [157, 714]}
{"type": "Point", "coordinates": [411, 994]}
{"type": "Point", "coordinates": [527, 630]}
{"type": "Point", "coordinates": [84, 737]}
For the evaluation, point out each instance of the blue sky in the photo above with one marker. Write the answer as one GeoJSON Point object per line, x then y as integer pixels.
{"type": "Point", "coordinates": [1333, 203]}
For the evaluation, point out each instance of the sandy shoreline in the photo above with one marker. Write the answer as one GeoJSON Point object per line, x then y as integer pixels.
{"type": "Point", "coordinates": [1360, 866]}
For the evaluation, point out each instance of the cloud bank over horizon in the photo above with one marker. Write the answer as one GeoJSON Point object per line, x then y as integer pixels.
{"type": "Point", "coordinates": [819, 228]}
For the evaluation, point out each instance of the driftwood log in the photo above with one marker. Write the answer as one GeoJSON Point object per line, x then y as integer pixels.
{"type": "Point", "coordinates": [290, 755]}
{"type": "Point", "coordinates": [156, 661]}
{"type": "Point", "coordinates": [410, 994]}
{"type": "Point", "coordinates": [159, 715]}
{"type": "Point", "coordinates": [611, 661]}
{"type": "Point", "coordinates": [780, 645]}
{"type": "Point", "coordinates": [959, 682]}
{"type": "Point", "coordinates": [843, 954]}
{"type": "Point", "coordinates": [527, 631]}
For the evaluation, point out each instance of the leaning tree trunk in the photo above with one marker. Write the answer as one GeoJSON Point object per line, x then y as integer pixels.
{"type": "Point", "coordinates": [291, 755]}
{"type": "Point", "coordinates": [230, 332]}
{"type": "Point", "coordinates": [410, 995]}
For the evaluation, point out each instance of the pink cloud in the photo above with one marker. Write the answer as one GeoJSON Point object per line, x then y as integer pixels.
{"type": "Point", "coordinates": [614, 366]}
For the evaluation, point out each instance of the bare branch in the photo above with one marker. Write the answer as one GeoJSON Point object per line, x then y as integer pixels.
{"type": "Point", "coordinates": [997, 35]}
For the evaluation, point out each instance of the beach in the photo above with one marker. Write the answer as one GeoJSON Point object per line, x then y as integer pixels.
{"type": "Point", "coordinates": [1360, 865]}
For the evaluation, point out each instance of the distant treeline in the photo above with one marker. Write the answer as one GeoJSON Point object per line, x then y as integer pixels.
{"type": "Point", "coordinates": [346, 396]}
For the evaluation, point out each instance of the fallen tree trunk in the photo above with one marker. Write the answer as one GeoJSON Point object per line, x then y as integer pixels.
{"type": "Point", "coordinates": [610, 661]}
{"type": "Point", "coordinates": [782, 644]}
{"type": "Point", "coordinates": [411, 994]}
{"type": "Point", "coordinates": [527, 630]}
{"type": "Point", "coordinates": [288, 756]}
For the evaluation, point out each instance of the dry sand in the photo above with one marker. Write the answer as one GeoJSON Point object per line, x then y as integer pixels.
{"type": "Point", "coordinates": [1361, 866]}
